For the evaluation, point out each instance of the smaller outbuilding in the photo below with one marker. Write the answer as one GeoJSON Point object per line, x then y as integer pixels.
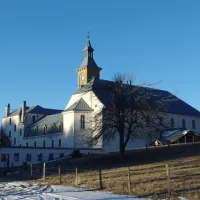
{"type": "Point", "coordinates": [176, 136]}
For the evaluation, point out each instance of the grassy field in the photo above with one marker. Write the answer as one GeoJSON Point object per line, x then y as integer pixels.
{"type": "Point", "coordinates": [147, 173]}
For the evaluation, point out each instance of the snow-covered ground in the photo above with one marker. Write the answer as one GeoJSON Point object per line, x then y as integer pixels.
{"type": "Point", "coordinates": [21, 190]}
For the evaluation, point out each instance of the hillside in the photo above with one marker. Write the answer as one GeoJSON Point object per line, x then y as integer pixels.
{"type": "Point", "coordinates": [147, 172]}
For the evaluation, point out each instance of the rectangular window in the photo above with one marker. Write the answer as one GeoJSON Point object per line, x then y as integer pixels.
{"type": "Point", "coordinates": [16, 156]}
{"type": "Point", "coordinates": [28, 157]}
{"type": "Point", "coordinates": [3, 157]}
{"type": "Point", "coordinates": [51, 156]}
{"type": "Point", "coordinates": [40, 157]}
{"type": "Point", "coordinates": [61, 155]}
{"type": "Point", "coordinates": [15, 128]}
{"type": "Point", "coordinates": [20, 132]}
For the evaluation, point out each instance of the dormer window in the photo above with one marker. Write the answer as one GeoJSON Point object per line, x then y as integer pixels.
{"type": "Point", "coordinates": [33, 119]}
{"type": "Point", "coordinates": [44, 130]}
{"type": "Point", "coordinates": [36, 130]}
{"type": "Point", "coordinates": [53, 128]}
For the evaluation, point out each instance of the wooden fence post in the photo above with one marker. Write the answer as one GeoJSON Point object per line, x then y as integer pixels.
{"type": "Point", "coordinates": [44, 171]}
{"type": "Point", "coordinates": [31, 171]}
{"type": "Point", "coordinates": [129, 181]}
{"type": "Point", "coordinates": [168, 179]}
{"type": "Point", "coordinates": [100, 180]}
{"type": "Point", "coordinates": [76, 173]}
{"type": "Point", "coordinates": [59, 175]}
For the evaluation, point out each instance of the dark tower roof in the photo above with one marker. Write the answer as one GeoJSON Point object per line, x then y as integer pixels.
{"type": "Point", "coordinates": [88, 60]}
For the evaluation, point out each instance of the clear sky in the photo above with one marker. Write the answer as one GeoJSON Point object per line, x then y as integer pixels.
{"type": "Point", "coordinates": [41, 45]}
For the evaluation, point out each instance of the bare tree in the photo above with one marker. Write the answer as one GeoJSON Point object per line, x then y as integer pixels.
{"type": "Point", "coordinates": [131, 110]}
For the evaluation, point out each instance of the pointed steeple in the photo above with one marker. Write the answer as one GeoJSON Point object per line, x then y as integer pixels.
{"type": "Point", "coordinates": [88, 68]}
{"type": "Point", "coordinates": [88, 60]}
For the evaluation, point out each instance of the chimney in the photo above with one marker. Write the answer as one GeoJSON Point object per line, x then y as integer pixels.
{"type": "Point", "coordinates": [23, 111]}
{"type": "Point", "coordinates": [7, 110]}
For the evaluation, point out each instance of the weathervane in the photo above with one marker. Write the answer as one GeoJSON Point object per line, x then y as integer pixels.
{"type": "Point", "coordinates": [88, 35]}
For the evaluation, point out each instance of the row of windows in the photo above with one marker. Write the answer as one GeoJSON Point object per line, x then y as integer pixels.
{"type": "Point", "coordinates": [44, 143]}
{"type": "Point", "coordinates": [28, 157]}
{"type": "Point", "coordinates": [172, 123]}
{"type": "Point", "coordinates": [53, 128]}
{"type": "Point", "coordinates": [33, 119]}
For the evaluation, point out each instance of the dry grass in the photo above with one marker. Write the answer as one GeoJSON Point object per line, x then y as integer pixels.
{"type": "Point", "coordinates": [147, 180]}
{"type": "Point", "coordinates": [147, 170]}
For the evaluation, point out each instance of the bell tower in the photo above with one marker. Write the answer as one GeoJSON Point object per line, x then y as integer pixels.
{"type": "Point", "coordinates": [88, 68]}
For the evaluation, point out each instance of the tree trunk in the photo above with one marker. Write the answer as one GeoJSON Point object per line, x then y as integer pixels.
{"type": "Point", "coordinates": [122, 147]}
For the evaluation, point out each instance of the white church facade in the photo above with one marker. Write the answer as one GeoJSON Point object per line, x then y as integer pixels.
{"type": "Point", "coordinates": [40, 128]}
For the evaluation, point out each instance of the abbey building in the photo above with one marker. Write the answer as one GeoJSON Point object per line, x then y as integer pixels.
{"type": "Point", "coordinates": [37, 127]}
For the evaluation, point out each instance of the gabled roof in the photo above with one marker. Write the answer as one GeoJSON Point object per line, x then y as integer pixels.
{"type": "Point", "coordinates": [178, 106]}
{"type": "Point", "coordinates": [37, 110]}
{"type": "Point", "coordinates": [79, 105]}
{"type": "Point", "coordinates": [171, 136]}
{"type": "Point", "coordinates": [48, 121]}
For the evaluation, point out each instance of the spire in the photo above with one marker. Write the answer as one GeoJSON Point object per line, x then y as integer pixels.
{"type": "Point", "coordinates": [88, 50]}
{"type": "Point", "coordinates": [88, 54]}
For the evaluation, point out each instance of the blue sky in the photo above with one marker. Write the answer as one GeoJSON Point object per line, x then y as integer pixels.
{"type": "Point", "coordinates": [41, 45]}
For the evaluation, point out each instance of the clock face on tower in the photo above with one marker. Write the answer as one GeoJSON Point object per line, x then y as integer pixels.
{"type": "Point", "coordinates": [82, 77]}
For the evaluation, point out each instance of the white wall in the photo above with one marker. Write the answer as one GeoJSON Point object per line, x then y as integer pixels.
{"type": "Point", "coordinates": [6, 127]}
{"type": "Point", "coordinates": [68, 129]}
{"type": "Point", "coordinates": [82, 135]}
{"type": "Point", "coordinates": [34, 154]}
{"type": "Point", "coordinates": [188, 121]}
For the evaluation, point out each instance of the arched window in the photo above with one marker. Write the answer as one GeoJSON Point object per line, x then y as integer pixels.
{"type": "Point", "coordinates": [44, 130]}
{"type": "Point", "coordinates": [172, 122]}
{"type": "Point", "coordinates": [15, 128]}
{"type": "Point", "coordinates": [14, 141]}
{"type": "Point", "coordinates": [59, 142]}
{"type": "Point", "coordinates": [183, 123]}
{"type": "Point", "coordinates": [193, 124]}
{"type": "Point", "coordinates": [36, 130]}
{"type": "Point", "coordinates": [10, 121]}
{"type": "Point", "coordinates": [61, 127]}
{"type": "Point", "coordinates": [53, 128]}
{"type": "Point", "coordinates": [82, 121]}
{"type": "Point", "coordinates": [43, 143]}
{"type": "Point", "coordinates": [9, 134]}
{"type": "Point", "coordinates": [52, 143]}
{"type": "Point", "coordinates": [35, 144]}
